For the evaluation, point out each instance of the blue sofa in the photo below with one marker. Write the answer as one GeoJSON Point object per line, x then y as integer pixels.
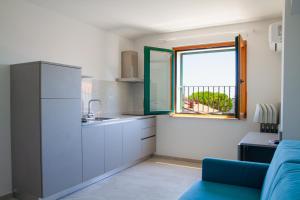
{"type": "Point", "coordinates": [230, 180]}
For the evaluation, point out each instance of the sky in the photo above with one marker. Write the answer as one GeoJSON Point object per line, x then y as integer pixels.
{"type": "Point", "coordinates": [209, 69]}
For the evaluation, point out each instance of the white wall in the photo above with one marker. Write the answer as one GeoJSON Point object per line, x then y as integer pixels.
{"type": "Point", "coordinates": [290, 77]}
{"type": "Point", "coordinates": [30, 33]}
{"type": "Point", "coordinates": [197, 138]}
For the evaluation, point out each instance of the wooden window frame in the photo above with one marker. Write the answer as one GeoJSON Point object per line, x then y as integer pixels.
{"type": "Point", "coordinates": [241, 107]}
{"type": "Point", "coordinates": [242, 62]}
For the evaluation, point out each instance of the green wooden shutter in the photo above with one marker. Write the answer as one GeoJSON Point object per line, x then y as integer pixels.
{"type": "Point", "coordinates": [159, 81]}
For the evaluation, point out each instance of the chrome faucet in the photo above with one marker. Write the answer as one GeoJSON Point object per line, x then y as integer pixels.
{"type": "Point", "coordinates": [90, 114]}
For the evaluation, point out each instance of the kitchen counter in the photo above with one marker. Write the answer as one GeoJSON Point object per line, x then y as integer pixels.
{"type": "Point", "coordinates": [116, 119]}
{"type": "Point", "coordinates": [110, 146]}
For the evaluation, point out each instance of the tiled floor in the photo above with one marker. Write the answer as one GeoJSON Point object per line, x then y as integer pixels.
{"type": "Point", "coordinates": [154, 179]}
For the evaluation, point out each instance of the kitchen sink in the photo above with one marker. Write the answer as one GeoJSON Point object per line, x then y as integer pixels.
{"type": "Point", "coordinates": [103, 118]}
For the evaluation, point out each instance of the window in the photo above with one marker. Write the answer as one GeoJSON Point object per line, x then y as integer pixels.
{"type": "Point", "coordinates": [207, 80]}
{"type": "Point", "coordinates": [159, 85]}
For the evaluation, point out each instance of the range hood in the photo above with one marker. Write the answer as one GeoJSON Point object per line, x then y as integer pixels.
{"type": "Point", "coordinates": [129, 67]}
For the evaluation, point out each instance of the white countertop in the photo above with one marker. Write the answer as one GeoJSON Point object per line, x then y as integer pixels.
{"type": "Point", "coordinates": [116, 119]}
{"type": "Point", "coordinates": [259, 139]}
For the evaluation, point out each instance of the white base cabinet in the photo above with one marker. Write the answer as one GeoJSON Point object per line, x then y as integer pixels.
{"type": "Point", "coordinates": [109, 146]}
{"type": "Point", "coordinates": [148, 146]}
{"type": "Point", "coordinates": [131, 141]}
{"type": "Point", "coordinates": [113, 146]}
{"type": "Point", "coordinates": [148, 136]}
{"type": "Point", "coordinates": [93, 138]}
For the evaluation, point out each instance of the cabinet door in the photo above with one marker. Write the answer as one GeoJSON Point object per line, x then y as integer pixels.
{"type": "Point", "coordinates": [60, 82]}
{"type": "Point", "coordinates": [113, 146]}
{"type": "Point", "coordinates": [61, 144]}
{"type": "Point", "coordinates": [148, 132]}
{"type": "Point", "coordinates": [131, 141]}
{"type": "Point", "coordinates": [93, 151]}
{"type": "Point", "coordinates": [148, 146]}
{"type": "Point", "coordinates": [148, 122]}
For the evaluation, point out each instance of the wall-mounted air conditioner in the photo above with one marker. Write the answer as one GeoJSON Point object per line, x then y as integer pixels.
{"type": "Point", "coordinates": [275, 36]}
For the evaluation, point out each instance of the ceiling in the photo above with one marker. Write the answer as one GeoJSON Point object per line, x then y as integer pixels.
{"type": "Point", "coordinates": [135, 18]}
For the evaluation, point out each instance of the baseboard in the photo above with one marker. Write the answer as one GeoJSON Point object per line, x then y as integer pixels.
{"type": "Point", "coordinates": [177, 158]}
{"type": "Point", "coordinates": [6, 196]}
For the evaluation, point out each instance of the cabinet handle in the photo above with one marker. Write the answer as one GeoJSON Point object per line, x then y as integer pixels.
{"type": "Point", "coordinates": [148, 137]}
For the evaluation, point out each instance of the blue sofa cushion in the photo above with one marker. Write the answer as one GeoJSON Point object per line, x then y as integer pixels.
{"type": "Point", "coordinates": [288, 151]}
{"type": "Point", "coordinates": [217, 191]}
{"type": "Point", "coordinates": [247, 174]}
{"type": "Point", "coordinates": [287, 183]}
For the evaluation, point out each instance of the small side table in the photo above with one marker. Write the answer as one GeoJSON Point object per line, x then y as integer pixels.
{"type": "Point", "coordinates": [256, 147]}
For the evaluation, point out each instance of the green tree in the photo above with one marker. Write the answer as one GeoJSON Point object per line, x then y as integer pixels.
{"type": "Point", "coordinates": [218, 101]}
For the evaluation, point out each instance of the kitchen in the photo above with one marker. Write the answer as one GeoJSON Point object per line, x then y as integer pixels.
{"type": "Point", "coordinates": [69, 149]}
{"type": "Point", "coordinates": [74, 85]}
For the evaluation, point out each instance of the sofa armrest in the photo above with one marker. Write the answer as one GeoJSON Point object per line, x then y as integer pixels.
{"type": "Point", "coordinates": [249, 174]}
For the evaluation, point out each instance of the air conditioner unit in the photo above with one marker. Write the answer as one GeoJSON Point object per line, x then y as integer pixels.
{"type": "Point", "coordinates": [275, 36]}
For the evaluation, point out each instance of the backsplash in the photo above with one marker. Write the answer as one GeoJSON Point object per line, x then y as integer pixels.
{"type": "Point", "coordinates": [138, 98]}
{"type": "Point", "coordinates": [116, 97]}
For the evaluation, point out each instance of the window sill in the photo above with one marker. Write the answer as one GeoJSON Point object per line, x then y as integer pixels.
{"type": "Point", "coordinates": [202, 116]}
